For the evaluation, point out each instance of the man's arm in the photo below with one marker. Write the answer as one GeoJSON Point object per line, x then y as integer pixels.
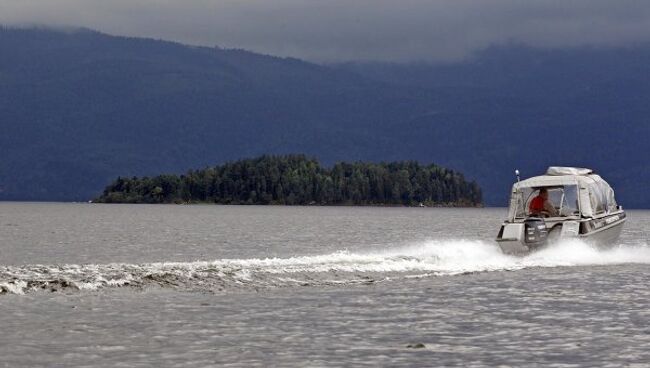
{"type": "Point", "coordinates": [548, 207]}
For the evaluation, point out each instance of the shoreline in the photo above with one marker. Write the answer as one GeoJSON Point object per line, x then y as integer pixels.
{"type": "Point", "coordinates": [387, 205]}
{"type": "Point", "coordinates": [252, 204]}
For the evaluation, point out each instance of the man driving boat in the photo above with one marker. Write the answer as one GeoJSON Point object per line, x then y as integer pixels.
{"type": "Point", "coordinates": [540, 205]}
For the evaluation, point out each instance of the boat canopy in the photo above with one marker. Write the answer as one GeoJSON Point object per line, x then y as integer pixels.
{"type": "Point", "coordinates": [576, 192]}
{"type": "Point", "coordinates": [561, 170]}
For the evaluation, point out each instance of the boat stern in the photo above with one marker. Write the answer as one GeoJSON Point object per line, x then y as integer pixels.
{"type": "Point", "coordinates": [514, 247]}
{"type": "Point", "coordinates": [522, 237]}
{"type": "Point", "coordinates": [510, 238]}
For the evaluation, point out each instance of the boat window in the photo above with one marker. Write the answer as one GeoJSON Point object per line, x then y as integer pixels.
{"type": "Point", "coordinates": [611, 200]}
{"type": "Point", "coordinates": [602, 197]}
{"type": "Point", "coordinates": [607, 194]}
{"type": "Point", "coordinates": [570, 201]}
{"type": "Point", "coordinates": [521, 200]}
{"type": "Point", "coordinates": [598, 200]}
{"type": "Point", "coordinates": [563, 198]}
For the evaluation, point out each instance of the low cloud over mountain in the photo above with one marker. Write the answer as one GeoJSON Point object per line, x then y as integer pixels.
{"type": "Point", "coordinates": [345, 30]}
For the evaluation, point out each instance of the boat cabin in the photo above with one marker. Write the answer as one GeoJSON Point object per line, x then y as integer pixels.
{"type": "Point", "coordinates": [572, 192]}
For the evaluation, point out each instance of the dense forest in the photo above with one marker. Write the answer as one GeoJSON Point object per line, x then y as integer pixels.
{"type": "Point", "coordinates": [298, 180]}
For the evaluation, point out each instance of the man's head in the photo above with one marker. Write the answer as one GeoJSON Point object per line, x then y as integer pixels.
{"type": "Point", "coordinates": [543, 193]}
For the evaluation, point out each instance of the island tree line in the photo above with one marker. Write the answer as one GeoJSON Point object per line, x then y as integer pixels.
{"type": "Point", "coordinates": [299, 180]}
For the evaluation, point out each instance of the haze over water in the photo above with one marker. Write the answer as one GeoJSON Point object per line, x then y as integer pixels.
{"type": "Point", "coordinates": [100, 285]}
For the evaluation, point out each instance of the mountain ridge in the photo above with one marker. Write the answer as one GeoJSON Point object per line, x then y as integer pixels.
{"type": "Point", "coordinates": [79, 109]}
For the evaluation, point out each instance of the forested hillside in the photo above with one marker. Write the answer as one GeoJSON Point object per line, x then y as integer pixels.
{"type": "Point", "coordinates": [79, 108]}
{"type": "Point", "coordinates": [297, 180]}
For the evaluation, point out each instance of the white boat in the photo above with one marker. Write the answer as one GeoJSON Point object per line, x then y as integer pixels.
{"type": "Point", "coordinates": [577, 204]}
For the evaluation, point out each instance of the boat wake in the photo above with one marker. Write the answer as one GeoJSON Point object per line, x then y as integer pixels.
{"type": "Point", "coordinates": [427, 259]}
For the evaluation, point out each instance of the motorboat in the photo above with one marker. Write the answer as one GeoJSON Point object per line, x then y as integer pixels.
{"type": "Point", "coordinates": [565, 202]}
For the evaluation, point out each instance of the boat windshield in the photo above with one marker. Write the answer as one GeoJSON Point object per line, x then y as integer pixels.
{"type": "Point", "coordinates": [564, 200]}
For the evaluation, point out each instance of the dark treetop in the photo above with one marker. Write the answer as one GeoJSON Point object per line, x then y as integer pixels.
{"type": "Point", "coordinates": [298, 180]}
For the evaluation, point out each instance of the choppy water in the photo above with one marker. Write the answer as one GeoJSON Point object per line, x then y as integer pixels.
{"type": "Point", "coordinates": [111, 285]}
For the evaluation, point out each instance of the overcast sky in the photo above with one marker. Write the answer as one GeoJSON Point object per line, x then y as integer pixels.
{"type": "Point", "coordinates": [342, 30]}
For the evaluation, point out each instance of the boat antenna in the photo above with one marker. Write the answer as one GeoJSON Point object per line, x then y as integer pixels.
{"type": "Point", "coordinates": [518, 180]}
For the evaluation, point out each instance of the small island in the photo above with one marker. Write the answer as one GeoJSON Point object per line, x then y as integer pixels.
{"type": "Point", "coordinates": [299, 180]}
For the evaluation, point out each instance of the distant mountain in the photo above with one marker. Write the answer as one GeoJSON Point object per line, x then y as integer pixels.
{"type": "Point", "coordinates": [78, 109]}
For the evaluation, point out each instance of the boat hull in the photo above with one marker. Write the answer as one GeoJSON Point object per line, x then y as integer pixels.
{"type": "Point", "coordinates": [602, 233]}
{"type": "Point", "coordinates": [607, 237]}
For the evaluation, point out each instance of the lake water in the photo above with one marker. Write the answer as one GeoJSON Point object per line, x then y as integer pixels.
{"type": "Point", "coordinates": [189, 286]}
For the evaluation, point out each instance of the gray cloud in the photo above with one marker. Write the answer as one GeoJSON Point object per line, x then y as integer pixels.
{"type": "Point", "coordinates": [340, 30]}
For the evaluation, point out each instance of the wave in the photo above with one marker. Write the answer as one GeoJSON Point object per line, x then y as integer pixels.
{"type": "Point", "coordinates": [426, 259]}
